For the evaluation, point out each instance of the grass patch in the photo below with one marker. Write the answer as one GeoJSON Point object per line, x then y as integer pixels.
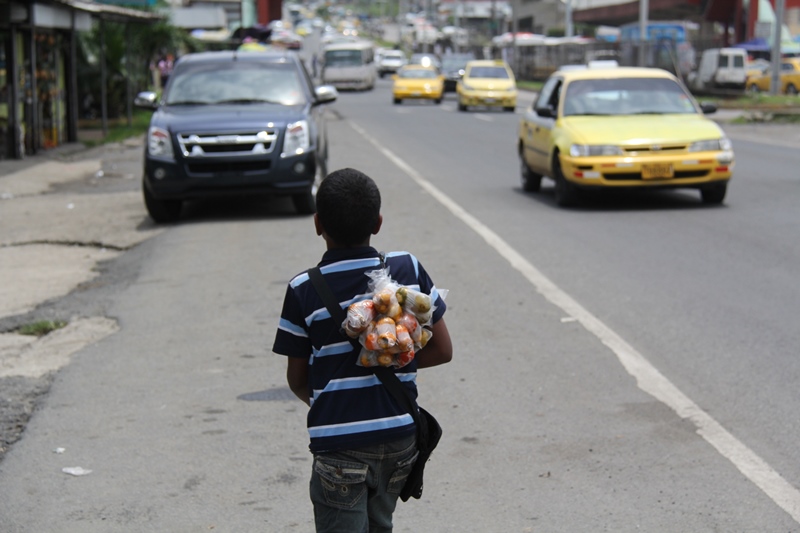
{"type": "Point", "coordinates": [530, 85]}
{"type": "Point", "coordinates": [91, 132]}
{"type": "Point", "coordinates": [749, 101]}
{"type": "Point", "coordinates": [41, 328]}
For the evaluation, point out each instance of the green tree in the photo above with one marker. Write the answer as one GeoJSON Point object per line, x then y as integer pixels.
{"type": "Point", "coordinates": [131, 51]}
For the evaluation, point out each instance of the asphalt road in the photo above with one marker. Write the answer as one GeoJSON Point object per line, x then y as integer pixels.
{"type": "Point", "coordinates": [593, 348]}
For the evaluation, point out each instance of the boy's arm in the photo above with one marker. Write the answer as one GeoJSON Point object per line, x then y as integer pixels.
{"type": "Point", "coordinates": [297, 376]}
{"type": "Point", "coordinates": [439, 349]}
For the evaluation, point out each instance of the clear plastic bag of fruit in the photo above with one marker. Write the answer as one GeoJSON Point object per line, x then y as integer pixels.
{"type": "Point", "coordinates": [390, 325]}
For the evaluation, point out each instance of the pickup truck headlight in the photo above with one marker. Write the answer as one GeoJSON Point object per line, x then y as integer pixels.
{"type": "Point", "coordinates": [587, 150]}
{"type": "Point", "coordinates": [715, 145]}
{"type": "Point", "coordinates": [297, 139]}
{"type": "Point", "coordinates": [159, 143]}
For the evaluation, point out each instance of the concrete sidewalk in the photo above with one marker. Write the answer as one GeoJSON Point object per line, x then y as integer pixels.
{"type": "Point", "coordinates": [62, 214]}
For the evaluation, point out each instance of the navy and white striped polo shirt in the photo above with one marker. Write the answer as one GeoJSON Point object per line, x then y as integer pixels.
{"type": "Point", "coordinates": [350, 407]}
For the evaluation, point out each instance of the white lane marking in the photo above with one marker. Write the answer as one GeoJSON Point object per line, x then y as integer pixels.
{"type": "Point", "coordinates": [481, 116]}
{"type": "Point", "coordinates": [648, 378]}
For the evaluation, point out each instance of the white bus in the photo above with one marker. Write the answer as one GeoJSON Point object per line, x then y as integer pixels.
{"type": "Point", "coordinates": [349, 65]}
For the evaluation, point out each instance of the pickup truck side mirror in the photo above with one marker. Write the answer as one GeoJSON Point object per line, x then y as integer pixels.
{"type": "Point", "coordinates": [146, 100]}
{"type": "Point", "coordinates": [325, 94]}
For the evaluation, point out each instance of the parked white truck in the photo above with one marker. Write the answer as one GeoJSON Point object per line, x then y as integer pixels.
{"type": "Point", "coordinates": [720, 70]}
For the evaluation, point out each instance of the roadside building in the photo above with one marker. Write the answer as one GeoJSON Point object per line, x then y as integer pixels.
{"type": "Point", "coordinates": [38, 69]}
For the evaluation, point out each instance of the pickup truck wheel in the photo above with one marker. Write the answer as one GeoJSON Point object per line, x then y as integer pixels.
{"type": "Point", "coordinates": [566, 193]}
{"type": "Point", "coordinates": [305, 203]}
{"type": "Point", "coordinates": [714, 194]}
{"type": "Point", "coordinates": [531, 181]}
{"type": "Point", "coordinates": [161, 211]}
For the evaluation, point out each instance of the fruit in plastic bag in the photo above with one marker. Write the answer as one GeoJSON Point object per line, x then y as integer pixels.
{"type": "Point", "coordinates": [387, 333]}
{"type": "Point", "coordinates": [359, 316]}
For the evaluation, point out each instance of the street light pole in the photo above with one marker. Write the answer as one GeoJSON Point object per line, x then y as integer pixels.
{"type": "Point", "coordinates": [644, 8]}
{"type": "Point", "coordinates": [777, 30]}
{"type": "Point", "coordinates": [569, 32]}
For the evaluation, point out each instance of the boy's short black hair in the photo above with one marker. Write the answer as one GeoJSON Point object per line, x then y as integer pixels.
{"type": "Point", "coordinates": [348, 206]}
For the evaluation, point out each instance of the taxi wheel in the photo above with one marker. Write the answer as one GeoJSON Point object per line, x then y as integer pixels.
{"type": "Point", "coordinates": [714, 194]}
{"type": "Point", "coordinates": [510, 109]}
{"type": "Point", "coordinates": [531, 181]}
{"type": "Point", "coordinates": [791, 89]}
{"type": "Point", "coordinates": [753, 89]}
{"type": "Point", "coordinates": [438, 100]}
{"type": "Point", "coordinates": [398, 101]}
{"type": "Point", "coordinates": [566, 194]}
{"type": "Point", "coordinates": [461, 107]}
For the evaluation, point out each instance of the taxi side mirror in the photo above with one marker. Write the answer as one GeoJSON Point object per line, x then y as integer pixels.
{"type": "Point", "coordinates": [394, 76]}
{"type": "Point", "coordinates": [545, 112]}
{"type": "Point", "coordinates": [708, 108]}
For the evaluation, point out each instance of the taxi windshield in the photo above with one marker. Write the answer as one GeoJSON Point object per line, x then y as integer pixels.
{"type": "Point", "coordinates": [416, 73]}
{"type": "Point", "coordinates": [627, 96]}
{"type": "Point", "coordinates": [489, 72]}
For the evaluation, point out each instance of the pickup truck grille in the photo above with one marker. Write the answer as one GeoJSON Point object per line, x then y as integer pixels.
{"type": "Point", "coordinates": [199, 145]}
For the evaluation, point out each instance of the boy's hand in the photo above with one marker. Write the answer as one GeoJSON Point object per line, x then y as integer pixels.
{"type": "Point", "coordinates": [297, 377]}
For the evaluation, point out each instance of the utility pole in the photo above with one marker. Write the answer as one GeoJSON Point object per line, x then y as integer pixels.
{"type": "Point", "coordinates": [457, 24]}
{"type": "Point", "coordinates": [777, 31]}
{"type": "Point", "coordinates": [493, 20]}
{"type": "Point", "coordinates": [569, 32]}
{"type": "Point", "coordinates": [644, 9]}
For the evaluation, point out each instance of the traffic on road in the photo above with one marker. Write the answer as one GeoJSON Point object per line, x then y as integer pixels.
{"type": "Point", "coordinates": [624, 363]}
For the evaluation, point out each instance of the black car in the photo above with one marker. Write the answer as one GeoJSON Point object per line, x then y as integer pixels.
{"type": "Point", "coordinates": [453, 66]}
{"type": "Point", "coordinates": [235, 123]}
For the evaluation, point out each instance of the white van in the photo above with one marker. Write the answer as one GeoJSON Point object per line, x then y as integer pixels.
{"type": "Point", "coordinates": [349, 65]}
{"type": "Point", "coordinates": [720, 68]}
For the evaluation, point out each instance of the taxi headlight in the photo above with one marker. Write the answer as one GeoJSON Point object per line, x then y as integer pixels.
{"type": "Point", "coordinates": [714, 145]}
{"type": "Point", "coordinates": [466, 86]}
{"type": "Point", "coordinates": [159, 143]}
{"type": "Point", "coordinates": [587, 150]}
{"type": "Point", "coordinates": [297, 139]}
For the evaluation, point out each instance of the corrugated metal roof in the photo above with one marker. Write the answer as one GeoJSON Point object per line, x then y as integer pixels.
{"type": "Point", "coordinates": [110, 12]}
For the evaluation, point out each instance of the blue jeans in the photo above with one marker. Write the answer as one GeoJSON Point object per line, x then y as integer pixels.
{"type": "Point", "coordinates": [356, 491]}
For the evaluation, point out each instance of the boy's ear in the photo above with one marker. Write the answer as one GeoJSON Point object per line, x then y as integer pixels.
{"type": "Point", "coordinates": [317, 225]}
{"type": "Point", "coordinates": [378, 225]}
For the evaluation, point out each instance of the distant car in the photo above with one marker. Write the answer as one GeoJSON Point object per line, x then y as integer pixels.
{"type": "Point", "coordinates": [453, 68]}
{"type": "Point", "coordinates": [487, 82]}
{"type": "Point", "coordinates": [232, 123]}
{"type": "Point", "coordinates": [391, 61]}
{"type": "Point", "coordinates": [616, 128]}
{"type": "Point", "coordinates": [426, 60]}
{"type": "Point", "coordinates": [790, 78]}
{"type": "Point", "coordinates": [417, 82]}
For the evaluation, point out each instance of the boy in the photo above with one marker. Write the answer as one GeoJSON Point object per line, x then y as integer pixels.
{"type": "Point", "coordinates": [363, 442]}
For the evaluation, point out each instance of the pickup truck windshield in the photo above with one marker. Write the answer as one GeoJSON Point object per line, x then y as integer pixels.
{"type": "Point", "coordinates": [235, 83]}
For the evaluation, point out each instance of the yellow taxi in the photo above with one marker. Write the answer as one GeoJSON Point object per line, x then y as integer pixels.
{"type": "Point", "coordinates": [417, 82]}
{"type": "Point", "coordinates": [621, 127]}
{"type": "Point", "coordinates": [790, 78]}
{"type": "Point", "coordinates": [487, 82]}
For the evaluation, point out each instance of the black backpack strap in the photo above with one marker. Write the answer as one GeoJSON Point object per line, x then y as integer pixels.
{"type": "Point", "coordinates": [400, 393]}
{"type": "Point", "coordinates": [324, 290]}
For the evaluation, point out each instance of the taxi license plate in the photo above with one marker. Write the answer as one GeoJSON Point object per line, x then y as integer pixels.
{"type": "Point", "coordinates": [416, 93]}
{"type": "Point", "coordinates": [489, 100]}
{"type": "Point", "coordinates": [657, 171]}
